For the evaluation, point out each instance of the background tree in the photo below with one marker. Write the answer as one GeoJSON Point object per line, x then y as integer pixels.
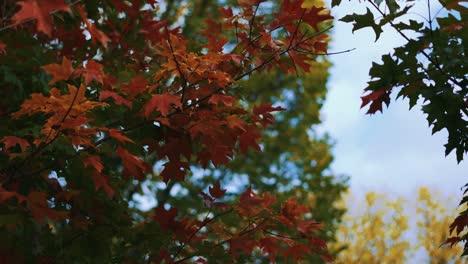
{"type": "Point", "coordinates": [431, 66]}
{"type": "Point", "coordinates": [397, 230]}
{"type": "Point", "coordinates": [100, 97]}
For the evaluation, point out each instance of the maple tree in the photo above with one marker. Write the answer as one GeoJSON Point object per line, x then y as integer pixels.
{"type": "Point", "coordinates": [430, 66]}
{"type": "Point", "coordinates": [100, 97]}
{"type": "Point", "coordinates": [295, 159]}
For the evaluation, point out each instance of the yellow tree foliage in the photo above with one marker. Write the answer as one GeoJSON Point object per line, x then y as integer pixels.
{"type": "Point", "coordinates": [382, 230]}
{"type": "Point", "coordinates": [432, 228]}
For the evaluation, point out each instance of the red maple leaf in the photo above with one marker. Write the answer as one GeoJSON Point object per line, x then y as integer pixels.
{"type": "Point", "coordinates": [249, 139]}
{"type": "Point", "coordinates": [119, 100]}
{"type": "Point", "coordinates": [102, 181]}
{"type": "Point", "coordinates": [163, 103]}
{"type": "Point", "coordinates": [263, 113]}
{"type": "Point", "coordinates": [117, 134]}
{"type": "Point", "coordinates": [93, 161]}
{"type": "Point", "coordinates": [245, 245]}
{"type": "Point", "coordinates": [165, 218]}
{"type": "Point", "coordinates": [40, 209]}
{"type": "Point", "coordinates": [297, 251]}
{"type": "Point", "coordinates": [96, 34]}
{"type": "Point", "coordinates": [220, 98]}
{"type": "Point", "coordinates": [216, 190]}
{"type": "Point", "coordinates": [175, 170]}
{"type": "Point", "coordinates": [59, 71]}
{"type": "Point", "coordinates": [133, 166]}
{"type": "Point", "coordinates": [315, 15]}
{"type": "Point", "coordinates": [271, 246]}
{"type": "Point", "coordinates": [41, 11]}
{"type": "Point", "coordinates": [251, 204]}
{"type": "Point", "coordinates": [136, 86]}
{"type": "Point", "coordinates": [93, 71]}
{"type": "Point", "coordinates": [376, 98]}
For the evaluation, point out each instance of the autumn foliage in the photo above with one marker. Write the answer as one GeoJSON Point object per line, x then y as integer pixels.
{"type": "Point", "coordinates": [388, 229]}
{"type": "Point", "coordinates": [94, 93]}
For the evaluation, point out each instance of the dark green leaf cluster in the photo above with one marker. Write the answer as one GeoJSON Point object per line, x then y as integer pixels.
{"type": "Point", "coordinates": [431, 66]}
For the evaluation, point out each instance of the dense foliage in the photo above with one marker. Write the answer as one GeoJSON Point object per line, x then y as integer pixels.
{"type": "Point", "coordinates": [431, 65]}
{"type": "Point", "coordinates": [387, 229]}
{"type": "Point", "coordinates": [99, 98]}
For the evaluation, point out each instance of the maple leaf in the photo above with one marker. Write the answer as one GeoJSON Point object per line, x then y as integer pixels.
{"type": "Point", "coordinates": [216, 190]}
{"type": "Point", "coordinates": [117, 134]}
{"type": "Point", "coordinates": [220, 98]}
{"type": "Point", "coordinates": [163, 103]}
{"type": "Point", "coordinates": [236, 244]}
{"type": "Point", "coordinates": [251, 204]}
{"type": "Point", "coordinates": [133, 166]}
{"type": "Point", "coordinates": [291, 213]}
{"type": "Point", "coordinates": [93, 161]}
{"type": "Point", "coordinates": [95, 33]}
{"type": "Point", "coordinates": [93, 71]}
{"type": "Point", "coordinates": [40, 209]}
{"type": "Point", "coordinates": [318, 243]}
{"type": "Point", "coordinates": [216, 152]}
{"type": "Point", "coordinates": [207, 199]}
{"type": "Point", "coordinates": [315, 15]}
{"type": "Point", "coordinates": [119, 100]}
{"type": "Point", "coordinates": [175, 170]}
{"type": "Point", "coordinates": [297, 251]}
{"type": "Point", "coordinates": [136, 86]}
{"type": "Point", "coordinates": [41, 11]}
{"type": "Point", "coordinates": [12, 141]}
{"type": "Point", "coordinates": [102, 181]}
{"type": "Point", "coordinates": [59, 71]}
{"type": "Point", "coordinates": [270, 246]}
{"type": "Point", "coordinates": [452, 241]}
{"type": "Point", "coordinates": [263, 113]}
{"type": "Point", "coordinates": [165, 218]}
{"type": "Point", "coordinates": [174, 147]}
{"type": "Point", "coordinates": [459, 224]}
{"type": "Point", "coordinates": [376, 98]}
{"type": "Point", "coordinates": [249, 139]}
{"type": "Point", "coordinates": [234, 122]}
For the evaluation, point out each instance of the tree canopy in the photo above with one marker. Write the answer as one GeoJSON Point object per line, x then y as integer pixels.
{"type": "Point", "coordinates": [102, 98]}
{"type": "Point", "coordinates": [209, 107]}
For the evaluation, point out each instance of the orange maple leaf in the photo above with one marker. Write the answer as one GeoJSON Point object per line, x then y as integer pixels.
{"type": "Point", "coordinates": [117, 134]}
{"type": "Point", "coordinates": [40, 10]}
{"type": "Point", "coordinates": [12, 141]}
{"type": "Point", "coordinates": [93, 71]}
{"type": "Point", "coordinates": [59, 71]}
{"type": "Point", "coordinates": [163, 103]}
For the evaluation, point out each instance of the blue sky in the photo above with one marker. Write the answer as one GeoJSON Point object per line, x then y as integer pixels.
{"type": "Point", "coordinates": [394, 151]}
